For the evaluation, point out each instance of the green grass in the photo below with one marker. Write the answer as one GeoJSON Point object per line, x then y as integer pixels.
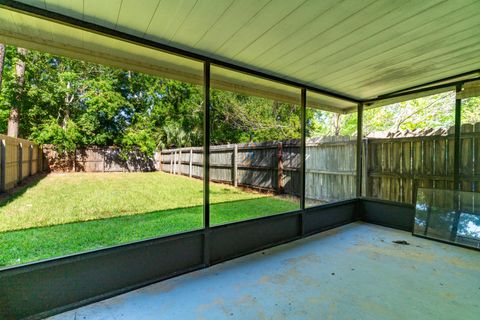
{"type": "Point", "coordinates": [65, 198]}
{"type": "Point", "coordinates": [65, 214]}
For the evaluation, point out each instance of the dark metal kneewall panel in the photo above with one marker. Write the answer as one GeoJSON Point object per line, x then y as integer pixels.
{"type": "Point", "coordinates": [234, 240]}
{"type": "Point", "coordinates": [49, 287]}
{"type": "Point", "coordinates": [322, 218]}
{"type": "Point", "coordinates": [387, 213]}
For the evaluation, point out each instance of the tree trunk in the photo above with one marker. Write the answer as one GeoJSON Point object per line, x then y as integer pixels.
{"type": "Point", "coordinates": [2, 60]}
{"type": "Point", "coordinates": [336, 125]}
{"type": "Point", "coordinates": [68, 101]}
{"type": "Point", "coordinates": [14, 118]}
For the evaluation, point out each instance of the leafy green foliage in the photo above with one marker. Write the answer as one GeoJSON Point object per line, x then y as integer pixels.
{"type": "Point", "coordinates": [239, 118]}
{"type": "Point", "coordinates": [323, 123]}
{"type": "Point", "coordinates": [471, 110]}
{"type": "Point", "coordinates": [435, 111]}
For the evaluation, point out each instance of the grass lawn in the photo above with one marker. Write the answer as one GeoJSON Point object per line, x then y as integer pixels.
{"type": "Point", "coordinates": [64, 214]}
{"type": "Point", "coordinates": [64, 198]}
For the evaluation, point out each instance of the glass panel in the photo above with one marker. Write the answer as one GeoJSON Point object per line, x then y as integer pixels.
{"type": "Point", "coordinates": [122, 157]}
{"type": "Point", "coordinates": [255, 147]}
{"type": "Point", "coordinates": [407, 145]}
{"type": "Point", "coordinates": [330, 157]}
{"type": "Point", "coordinates": [448, 215]}
{"type": "Point", "coordinates": [470, 145]}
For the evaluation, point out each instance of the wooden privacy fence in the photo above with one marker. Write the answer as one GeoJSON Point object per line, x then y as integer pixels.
{"type": "Point", "coordinates": [19, 159]}
{"type": "Point", "coordinates": [396, 166]}
{"type": "Point", "coordinates": [393, 166]}
{"type": "Point", "coordinates": [274, 166]}
{"type": "Point", "coordinates": [266, 166]}
{"type": "Point", "coordinates": [330, 169]}
{"type": "Point", "coordinates": [97, 159]}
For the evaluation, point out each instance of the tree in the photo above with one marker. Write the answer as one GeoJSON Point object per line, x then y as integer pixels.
{"type": "Point", "coordinates": [324, 123]}
{"type": "Point", "coordinates": [471, 110]}
{"type": "Point", "coordinates": [435, 111]}
{"type": "Point", "coordinates": [2, 59]}
{"type": "Point", "coordinates": [14, 117]}
{"type": "Point", "coordinates": [240, 118]}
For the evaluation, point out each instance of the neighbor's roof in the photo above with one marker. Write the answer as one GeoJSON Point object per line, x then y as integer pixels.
{"type": "Point", "coordinates": [358, 49]}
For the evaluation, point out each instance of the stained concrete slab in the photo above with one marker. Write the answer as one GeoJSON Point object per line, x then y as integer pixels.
{"type": "Point", "coordinates": [352, 272]}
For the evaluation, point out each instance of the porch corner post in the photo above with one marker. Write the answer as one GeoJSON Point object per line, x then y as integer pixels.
{"type": "Point", "coordinates": [303, 107]}
{"type": "Point", "coordinates": [359, 150]}
{"type": "Point", "coordinates": [206, 163]}
{"type": "Point", "coordinates": [456, 162]}
{"type": "Point", "coordinates": [457, 146]}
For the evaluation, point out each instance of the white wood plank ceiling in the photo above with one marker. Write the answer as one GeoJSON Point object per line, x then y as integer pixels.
{"type": "Point", "coordinates": [360, 48]}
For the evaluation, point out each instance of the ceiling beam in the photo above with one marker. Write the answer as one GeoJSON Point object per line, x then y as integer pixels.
{"type": "Point", "coordinates": [474, 73]}
{"type": "Point", "coordinates": [424, 88]}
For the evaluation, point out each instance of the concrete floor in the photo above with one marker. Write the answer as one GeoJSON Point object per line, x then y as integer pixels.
{"type": "Point", "coordinates": [352, 272]}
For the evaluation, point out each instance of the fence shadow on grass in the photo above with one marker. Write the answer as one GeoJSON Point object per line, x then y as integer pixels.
{"type": "Point", "coordinates": [11, 195]}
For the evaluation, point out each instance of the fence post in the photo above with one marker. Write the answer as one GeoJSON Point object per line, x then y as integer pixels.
{"type": "Point", "coordinates": [30, 156]}
{"type": "Point", "coordinates": [19, 162]}
{"type": "Point", "coordinates": [40, 158]}
{"type": "Point", "coordinates": [75, 160]}
{"type": "Point", "coordinates": [3, 165]}
{"type": "Point", "coordinates": [104, 149]}
{"type": "Point", "coordinates": [235, 165]}
{"type": "Point", "coordinates": [180, 162]}
{"type": "Point", "coordinates": [44, 160]}
{"type": "Point", "coordinates": [280, 167]}
{"type": "Point", "coordinates": [160, 160]}
{"type": "Point", "coordinates": [171, 162]}
{"type": "Point", "coordinates": [190, 164]}
{"type": "Point", "coordinates": [175, 162]}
